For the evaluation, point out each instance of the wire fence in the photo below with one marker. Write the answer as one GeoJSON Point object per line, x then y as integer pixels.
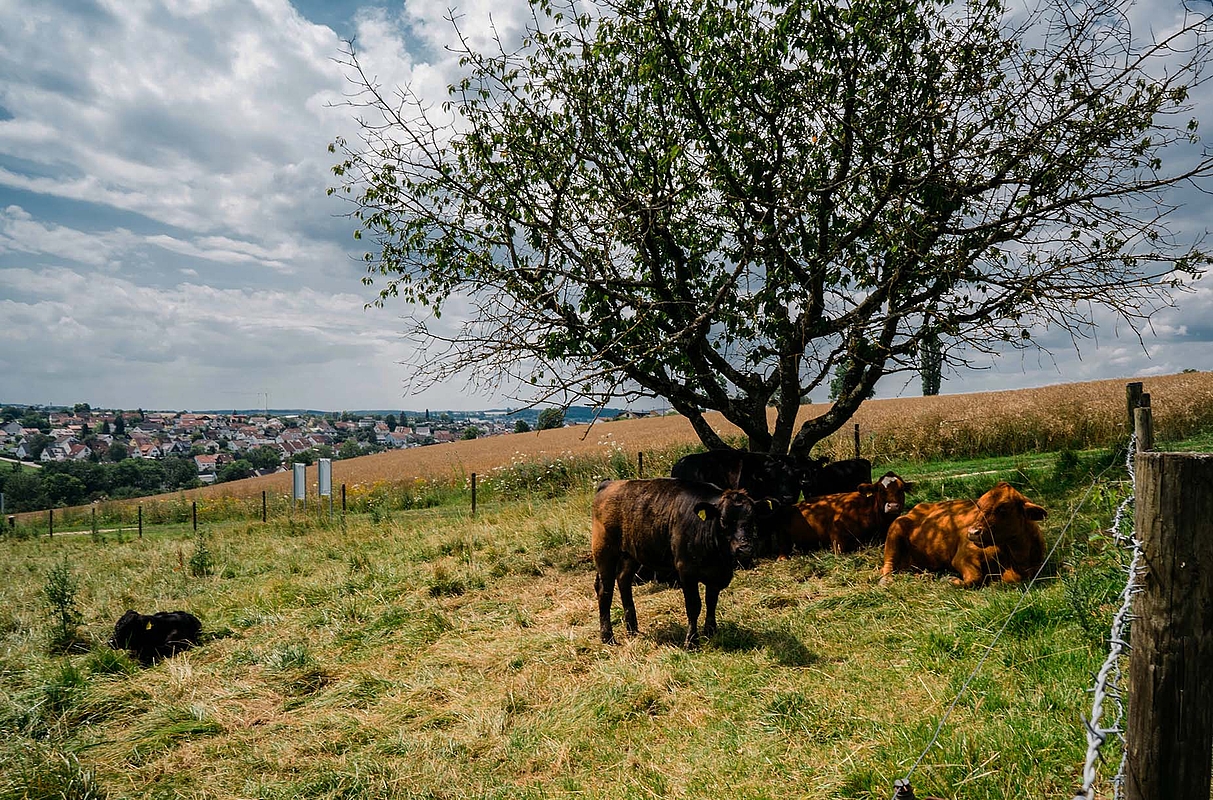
{"type": "Point", "coordinates": [1108, 679]}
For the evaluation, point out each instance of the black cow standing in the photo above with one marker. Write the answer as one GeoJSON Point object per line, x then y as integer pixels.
{"type": "Point", "coordinates": [692, 529]}
{"type": "Point", "coordinates": [150, 637]}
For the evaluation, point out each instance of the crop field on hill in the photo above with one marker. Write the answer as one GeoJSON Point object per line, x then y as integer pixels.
{"type": "Point", "coordinates": [424, 654]}
{"type": "Point", "coordinates": [1073, 415]}
{"type": "Point", "coordinates": [915, 429]}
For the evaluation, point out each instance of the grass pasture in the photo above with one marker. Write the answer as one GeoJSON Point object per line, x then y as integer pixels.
{"type": "Point", "coordinates": [424, 654]}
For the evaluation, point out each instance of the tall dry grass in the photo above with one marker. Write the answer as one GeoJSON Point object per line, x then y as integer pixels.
{"type": "Point", "coordinates": [1072, 415]}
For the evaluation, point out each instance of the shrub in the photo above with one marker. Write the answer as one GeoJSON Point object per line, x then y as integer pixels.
{"type": "Point", "coordinates": [60, 593]}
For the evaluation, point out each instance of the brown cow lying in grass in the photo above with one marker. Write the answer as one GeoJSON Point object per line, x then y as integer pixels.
{"type": "Point", "coordinates": [691, 528]}
{"type": "Point", "coordinates": [995, 536]}
{"type": "Point", "coordinates": [843, 521]}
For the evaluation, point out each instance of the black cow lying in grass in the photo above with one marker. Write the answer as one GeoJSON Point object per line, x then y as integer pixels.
{"type": "Point", "coordinates": [149, 637]}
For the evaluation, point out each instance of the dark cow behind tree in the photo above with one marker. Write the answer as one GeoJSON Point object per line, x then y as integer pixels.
{"type": "Point", "coordinates": [693, 529]}
{"type": "Point", "coordinates": [762, 476]}
{"type": "Point", "coordinates": [150, 637]}
{"type": "Point", "coordinates": [843, 521]}
{"type": "Point", "coordinates": [836, 477]}
{"type": "Point", "coordinates": [995, 536]}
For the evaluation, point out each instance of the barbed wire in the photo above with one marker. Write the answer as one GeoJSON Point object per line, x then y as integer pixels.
{"type": "Point", "coordinates": [990, 647]}
{"type": "Point", "coordinates": [1108, 679]}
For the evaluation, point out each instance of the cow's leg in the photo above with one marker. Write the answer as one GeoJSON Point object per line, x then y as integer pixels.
{"type": "Point", "coordinates": [627, 572]}
{"type": "Point", "coordinates": [895, 545]}
{"type": "Point", "coordinates": [783, 545]}
{"type": "Point", "coordinates": [971, 573]}
{"type": "Point", "coordinates": [690, 593]}
{"type": "Point", "coordinates": [604, 588]}
{"type": "Point", "coordinates": [1012, 575]}
{"type": "Point", "coordinates": [711, 593]}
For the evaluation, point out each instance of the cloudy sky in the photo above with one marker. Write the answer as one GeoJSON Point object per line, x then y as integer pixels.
{"type": "Point", "coordinates": [165, 236]}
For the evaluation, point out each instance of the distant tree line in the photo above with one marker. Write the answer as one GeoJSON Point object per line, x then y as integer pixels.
{"type": "Point", "coordinates": [69, 483]}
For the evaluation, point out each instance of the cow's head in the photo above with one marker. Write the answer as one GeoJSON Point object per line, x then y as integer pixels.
{"type": "Point", "coordinates": [734, 512]}
{"type": "Point", "coordinates": [890, 492]}
{"type": "Point", "coordinates": [1005, 517]}
{"type": "Point", "coordinates": [774, 477]}
{"type": "Point", "coordinates": [126, 629]}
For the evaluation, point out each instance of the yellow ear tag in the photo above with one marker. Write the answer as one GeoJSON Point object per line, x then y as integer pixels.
{"type": "Point", "coordinates": [149, 626]}
{"type": "Point", "coordinates": [703, 515]}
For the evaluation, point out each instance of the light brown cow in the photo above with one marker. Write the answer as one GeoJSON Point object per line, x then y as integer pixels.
{"type": "Point", "coordinates": [995, 536]}
{"type": "Point", "coordinates": [843, 521]}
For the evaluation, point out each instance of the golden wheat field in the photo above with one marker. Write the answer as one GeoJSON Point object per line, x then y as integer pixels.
{"type": "Point", "coordinates": [1053, 417]}
{"type": "Point", "coordinates": [908, 427]}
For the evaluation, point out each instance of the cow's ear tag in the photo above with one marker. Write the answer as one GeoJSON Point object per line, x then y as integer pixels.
{"type": "Point", "coordinates": [149, 625]}
{"type": "Point", "coordinates": [703, 515]}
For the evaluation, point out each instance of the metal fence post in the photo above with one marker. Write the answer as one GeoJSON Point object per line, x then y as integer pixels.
{"type": "Point", "coordinates": [473, 494]}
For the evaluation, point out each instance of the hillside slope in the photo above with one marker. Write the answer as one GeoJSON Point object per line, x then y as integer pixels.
{"type": "Point", "coordinates": [1022, 420]}
{"type": "Point", "coordinates": [1180, 402]}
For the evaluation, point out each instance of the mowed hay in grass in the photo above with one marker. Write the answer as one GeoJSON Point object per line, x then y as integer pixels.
{"type": "Point", "coordinates": [439, 657]}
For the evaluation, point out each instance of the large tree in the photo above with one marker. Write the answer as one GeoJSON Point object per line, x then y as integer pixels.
{"type": "Point", "coordinates": [725, 203]}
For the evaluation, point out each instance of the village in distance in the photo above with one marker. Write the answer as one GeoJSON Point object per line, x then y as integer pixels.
{"type": "Point", "coordinates": [65, 455]}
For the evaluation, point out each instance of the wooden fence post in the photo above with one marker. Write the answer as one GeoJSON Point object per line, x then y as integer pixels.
{"type": "Point", "coordinates": [640, 464]}
{"type": "Point", "coordinates": [343, 498]}
{"type": "Point", "coordinates": [473, 494]}
{"type": "Point", "coordinates": [194, 513]}
{"type": "Point", "coordinates": [1144, 426]}
{"type": "Point", "coordinates": [264, 507]}
{"type": "Point", "coordinates": [1169, 738]}
{"type": "Point", "coordinates": [50, 521]}
{"type": "Point", "coordinates": [1132, 401]}
{"type": "Point", "coordinates": [140, 521]}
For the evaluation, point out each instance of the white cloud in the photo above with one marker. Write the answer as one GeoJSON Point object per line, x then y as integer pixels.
{"type": "Point", "coordinates": [20, 232]}
{"type": "Point", "coordinates": [203, 118]}
{"type": "Point", "coordinates": [75, 329]}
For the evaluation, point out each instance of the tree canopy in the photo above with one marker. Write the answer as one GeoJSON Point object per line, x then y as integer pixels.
{"type": "Point", "coordinates": [730, 204]}
{"type": "Point", "coordinates": [550, 418]}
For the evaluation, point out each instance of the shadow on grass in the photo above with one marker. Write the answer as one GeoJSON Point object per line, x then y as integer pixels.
{"type": "Point", "coordinates": [783, 647]}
